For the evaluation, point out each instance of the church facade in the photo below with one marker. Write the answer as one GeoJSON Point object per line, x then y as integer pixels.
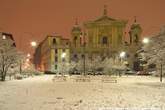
{"type": "Point", "coordinates": [104, 36]}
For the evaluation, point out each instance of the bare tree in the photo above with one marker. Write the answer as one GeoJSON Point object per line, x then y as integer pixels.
{"type": "Point", "coordinates": [8, 57]}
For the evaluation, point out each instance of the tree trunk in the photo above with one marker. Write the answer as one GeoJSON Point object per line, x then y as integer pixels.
{"type": "Point", "coordinates": [3, 77]}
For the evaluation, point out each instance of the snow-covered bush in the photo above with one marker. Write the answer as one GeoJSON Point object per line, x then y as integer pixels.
{"type": "Point", "coordinates": [154, 51]}
{"type": "Point", "coordinates": [113, 65]}
{"type": "Point", "coordinates": [97, 64]}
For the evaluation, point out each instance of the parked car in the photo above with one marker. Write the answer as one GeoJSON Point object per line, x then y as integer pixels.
{"type": "Point", "coordinates": [152, 72]}
{"type": "Point", "coordinates": [74, 72]}
{"type": "Point", "coordinates": [90, 72]}
{"type": "Point", "coordinates": [49, 72]}
{"type": "Point", "coordinates": [130, 72]}
{"type": "Point", "coordinates": [143, 73]}
{"type": "Point", "coordinates": [18, 76]}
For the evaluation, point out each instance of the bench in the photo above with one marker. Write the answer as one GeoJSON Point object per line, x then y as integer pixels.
{"type": "Point", "coordinates": [59, 78]}
{"type": "Point", "coordinates": [82, 79]}
{"type": "Point", "coordinates": [109, 79]}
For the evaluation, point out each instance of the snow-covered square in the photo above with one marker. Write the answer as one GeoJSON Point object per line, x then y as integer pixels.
{"type": "Point", "coordinates": [41, 93]}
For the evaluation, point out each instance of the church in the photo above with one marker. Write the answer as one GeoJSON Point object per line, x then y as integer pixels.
{"type": "Point", "coordinates": [104, 36]}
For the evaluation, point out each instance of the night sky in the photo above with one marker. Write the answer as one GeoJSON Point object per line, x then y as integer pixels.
{"type": "Point", "coordinates": [33, 19]}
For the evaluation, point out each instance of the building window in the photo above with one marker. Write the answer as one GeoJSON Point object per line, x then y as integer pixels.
{"type": "Point", "coordinates": [55, 67]}
{"type": "Point", "coordinates": [63, 50]}
{"type": "Point", "coordinates": [105, 40]}
{"type": "Point", "coordinates": [56, 59]}
{"type": "Point", "coordinates": [67, 43]}
{"type": "Point", "coordinates": [54, 41]}
{"type": "Point", "coordinates": [56, 51]}
{"type": "Point", "coordinates": [136, 38]}
{"type": "Point", "coordinates": [119, 39]}
{"type": "Point", "coordinates": [75, 39]}
{"type": "Point", "coordinates": [63, 59]}
{"type": "Point", "coordinates": [75, 55]}
{"type": "Point", "coordinates": [82, 55]}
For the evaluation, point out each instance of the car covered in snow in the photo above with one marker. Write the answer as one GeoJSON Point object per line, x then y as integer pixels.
{"type": "Point", "coordinates": [130, 72]}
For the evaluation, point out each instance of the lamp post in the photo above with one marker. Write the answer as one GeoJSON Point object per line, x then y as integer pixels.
{"type": "Point", "coordinates": [84, 44]}
{"type": "Point", "coordinates": [63, 55]}
{"type": "Point", "coordinates": [122, 56]}
{"type": "Point", "coordinates": [161, 70]}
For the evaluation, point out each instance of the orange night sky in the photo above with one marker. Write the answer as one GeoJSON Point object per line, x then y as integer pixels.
{"type": "Point", "coordinates": [33, 19]}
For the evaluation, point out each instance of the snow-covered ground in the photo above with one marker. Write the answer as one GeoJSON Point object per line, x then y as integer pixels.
{"type": "Point", "coordinates": [41, 93]}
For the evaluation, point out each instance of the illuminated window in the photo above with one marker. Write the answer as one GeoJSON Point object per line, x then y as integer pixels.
{"type": "Point", "coordinates": [3, 37]}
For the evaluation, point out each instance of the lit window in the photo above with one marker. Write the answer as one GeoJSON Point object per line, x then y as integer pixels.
{"type": "Point", "coordinates": [3, 37]}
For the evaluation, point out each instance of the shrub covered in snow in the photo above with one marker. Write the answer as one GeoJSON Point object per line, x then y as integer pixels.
{"type": "Point", "coordinates": [154, 51]}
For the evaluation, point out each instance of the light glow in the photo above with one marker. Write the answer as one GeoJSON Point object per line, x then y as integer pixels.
{"type": "Point", "coordinates": [28, 55]}
{"type": "Point", "coordinates": [122, 54]}
{"type": "Point", "coordinates": [145, 40]}
{"type": "Point", "coordinates": [33, 44]}
{"type": "Point", "coordinates": [3, 37]}
{"type": "Point", "coordinates": [63, 55]}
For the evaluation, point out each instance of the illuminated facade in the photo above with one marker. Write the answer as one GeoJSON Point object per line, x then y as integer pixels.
{"type": "Point", "coordinates": [103, 36]}
{"type": "Point", "coordinates": [51, 53]}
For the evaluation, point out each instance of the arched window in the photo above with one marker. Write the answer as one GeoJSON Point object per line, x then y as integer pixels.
{"type": "Point", "coordinates": [54, 41]}
{"type": "Point", "coordinates": [119, 39]}
{"type": "Point", "coordinates": [75, 39]}
{"type": "Point", "coordinates": [105, 40]}
{"type": "Point", "coordinates": [136, 38]}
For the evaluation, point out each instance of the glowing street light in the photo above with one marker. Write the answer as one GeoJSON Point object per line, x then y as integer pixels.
{"type": "Point", "coordinates": [122, 54]}
{"type": "Point", "coordinates": [145, 40]}
{"type": "Point", "coordinates": [28, 55]}
{"type": "Point", "coordinates": [63, 55]}
{"type": "Point", "coordinates": [27, 60]}
{"type": "Point", "coordinates": [33, 44]}
{"type": "Point", "coordinates": [3, 37]}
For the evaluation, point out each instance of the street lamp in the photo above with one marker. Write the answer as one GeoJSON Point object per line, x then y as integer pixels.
{"type": "Point", "coordinates": [122, 54]}
{"type": "Point", "coordinates": [63, 55]}
{"type": "Point", "coordinates": [145, 41]}
{"type": "Point", "coordinates": [33, 43]}
{"type": "Point", "coordinates": [28, 55]}
{"type": "Point", "coordinates": [84, 44]}
{"type": "Point", "coordinates": [3, 37]}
